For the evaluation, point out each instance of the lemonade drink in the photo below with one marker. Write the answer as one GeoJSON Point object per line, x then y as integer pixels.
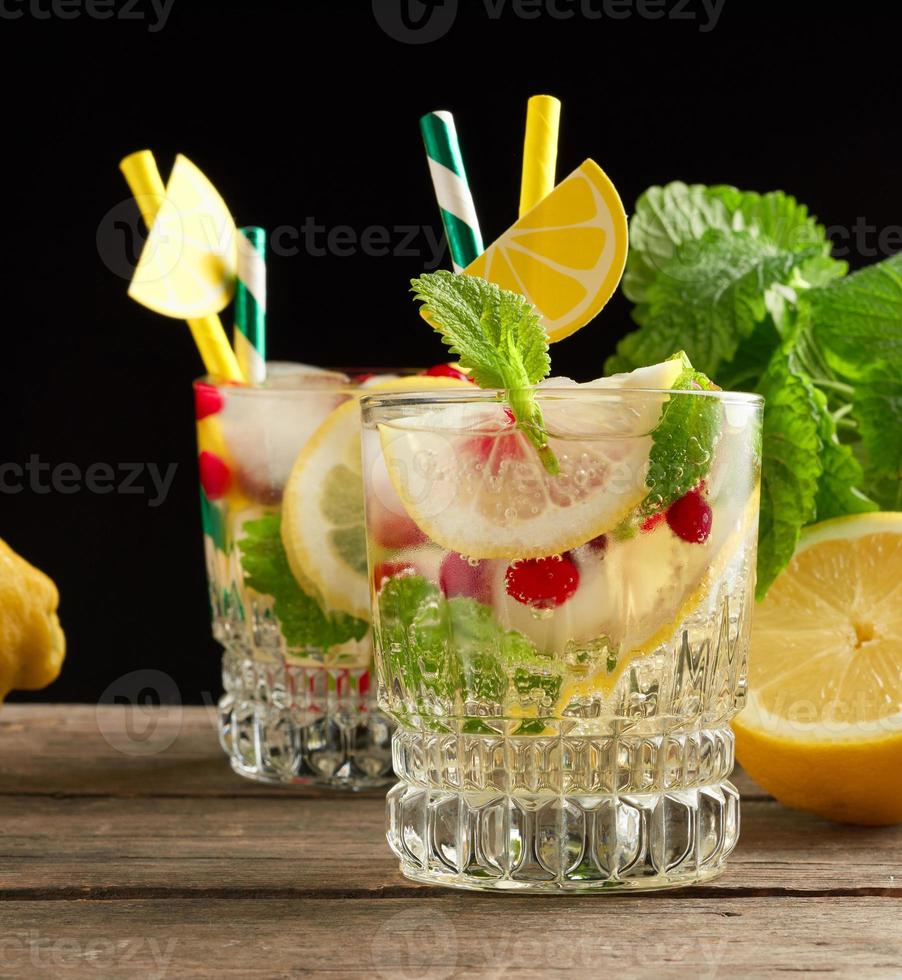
{"type": "Point", "coordinates": [562, 651]}
{"type": "Point", "coordinates": [282, 512]}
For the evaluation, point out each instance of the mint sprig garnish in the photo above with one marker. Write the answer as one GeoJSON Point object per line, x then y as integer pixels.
{"type": "Point", "coordinates": [746, 284]}
{"type": "Point", "coordinates": [683, 441]}
{"type": "Point", "coordinates": [302, 620]}
{"type": "Point", "coordinates": [498, 337]}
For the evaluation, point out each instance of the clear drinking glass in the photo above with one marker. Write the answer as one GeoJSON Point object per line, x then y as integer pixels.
{"type": "Point", "coordinates": [560, 654]}
{"type": "Point", "coordinates": [285, 597]}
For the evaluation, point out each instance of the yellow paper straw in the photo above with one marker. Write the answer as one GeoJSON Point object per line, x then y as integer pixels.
{"type": "Point", "coordinates": [146, 184]}
{"type": "Point", "coordinates": [543, 116]}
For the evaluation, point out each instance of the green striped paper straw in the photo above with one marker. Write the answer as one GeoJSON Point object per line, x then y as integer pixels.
{"type": "Point", "coordinates": [451, 188]}
{"type": "Point", "coordinates": [250, 304]}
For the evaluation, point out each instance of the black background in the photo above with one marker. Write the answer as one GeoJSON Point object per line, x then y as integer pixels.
{"type": "Point", "coordinates": [309, 110]}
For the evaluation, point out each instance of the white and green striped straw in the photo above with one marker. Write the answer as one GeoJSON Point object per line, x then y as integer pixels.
{"type": "Point", "coordinates": [451, 188]}
{"type": "Point", "coordinates": [250, 304]}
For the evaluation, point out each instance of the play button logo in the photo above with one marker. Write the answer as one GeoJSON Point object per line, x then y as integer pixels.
{"type": "Point", "coordinates": [415, 21]}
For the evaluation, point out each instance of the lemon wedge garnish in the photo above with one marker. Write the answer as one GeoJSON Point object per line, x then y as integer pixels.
{"type": "Point", "coordinates": [187, 266]}
{"type": "Point", "coordinates": [566, 255]}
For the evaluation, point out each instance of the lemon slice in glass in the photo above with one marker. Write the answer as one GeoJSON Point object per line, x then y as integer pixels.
{"type": "Point", "coordinates": [322, 507]}
{"type": "Point", "coordinates": [475, 485]}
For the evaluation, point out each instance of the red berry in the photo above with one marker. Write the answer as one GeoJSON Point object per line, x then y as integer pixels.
{"type": "Point", "coordinates": [215, 475]}
{"type": "Point", "coordinates": [498, 448]}
{"type": "Point", "coordinates": [457, 577]}
{"type": "Point", "coordinates": [385, 570]}
{"type": "Point", "coordinates": [543, 583]}
{"type": "Point", "coordinates": [690, 517]}
{"type": "Point", "coordinates": [208, 400]}
{"type": "Point", "coordinates": [650, 523]}
{"type": "Point", "coordinates": [445, 371]}
{"type": "Point", "coordinates": [359, 379]}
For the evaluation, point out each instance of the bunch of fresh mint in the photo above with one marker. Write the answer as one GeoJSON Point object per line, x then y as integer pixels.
{"type": "Point", "coordinates": [745, 283]}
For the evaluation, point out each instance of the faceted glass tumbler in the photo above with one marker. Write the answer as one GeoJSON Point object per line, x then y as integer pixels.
{"type": "Point", "coordinates": [299, 706]}
{"type": "Point", "coordinates": [562, 647]}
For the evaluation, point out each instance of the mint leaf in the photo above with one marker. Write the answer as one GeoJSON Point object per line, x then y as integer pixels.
{"type": "Point", "coordinates": [837, 492]}
{"type": "Point", "coordinates": [790, 467]}
{"type": "Point", "coordinates": [683, 442]}
{"type": "Point", "coordinates": [818, 271]}
{"type": "Point", "coordinates": [302, 620]}
{"type": "Point", "coordinates": [751, 359]}
{"type": "Point", "coordinates": [668, 217]}
{"type": "Point", "coordinates": [419, 659]}
{"type": "Point", "coordinates": [464, 635]}
{"type": "Point", "coordinates": [777, 216]}
{"type": "Point", "coordinates": [455, 648]}
{"type": "Point", "coordinates": [708, 296]}
{"type": "Point", "coordinates": [877, 401]}
{"type": "Point", "coordinates": [401, 598]}
{"type": "Point", "coordinates": [854, 327]}
{"type": "Point", "coordinates": [857, 321]}
{"type": "Point", "coordinates": [498, 336]}
{"type": "Point", "coordinates": [727, 254]}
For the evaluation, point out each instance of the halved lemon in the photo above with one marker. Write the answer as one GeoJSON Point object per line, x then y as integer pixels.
{"type": "Point", "coordinates": [322, 507]}
{"type": "Point", "coordinates": [823, 727]}
{"type": "Point", "coordinates": [475, 485]}
{"type": "Point", "coordinates": [566, 255]}
{"type": "Point", "coordinates": [187, 266]}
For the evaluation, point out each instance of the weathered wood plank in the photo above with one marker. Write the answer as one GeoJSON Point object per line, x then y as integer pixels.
{"type": "Point", "coordinates": [189, 870]}
{"type": "Point", "coordinates": [181, 846]}
{"type": "Point", "coordinates": [86, 750]}
{"type": "Point", "coordinates": [108, 750]}
{"type": "Point", "coordinates": [455, 936]}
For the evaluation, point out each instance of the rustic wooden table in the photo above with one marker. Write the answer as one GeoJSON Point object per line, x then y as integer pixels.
{"type": "Point", "coordinates": [129, 849]}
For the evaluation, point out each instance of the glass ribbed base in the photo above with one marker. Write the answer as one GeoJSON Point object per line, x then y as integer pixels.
{"type": "Point", "coordinates": [280, 722]}
{"type": "Point", "coordinates": [563, 813]}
